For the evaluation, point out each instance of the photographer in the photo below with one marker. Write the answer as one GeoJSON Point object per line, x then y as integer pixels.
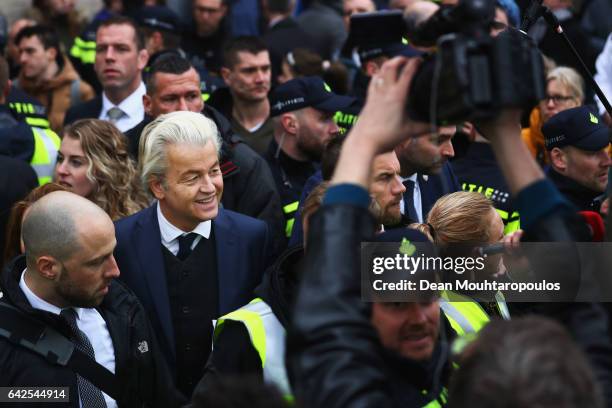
{"type": "Point", "coordinates": [334, 356]}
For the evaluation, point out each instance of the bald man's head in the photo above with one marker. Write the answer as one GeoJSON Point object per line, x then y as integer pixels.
{"type": "Point", "coordinates": [69, 243]}
{"type": "Point", "coordinates": [50, 226]}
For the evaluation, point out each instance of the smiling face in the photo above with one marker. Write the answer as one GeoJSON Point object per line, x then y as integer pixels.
{"type": "Point", "coordinates": [192, 186]}
{"type": "Point", "coordinates": [71, 167]}
{"type": "Point", "coordinates": [408, 328]}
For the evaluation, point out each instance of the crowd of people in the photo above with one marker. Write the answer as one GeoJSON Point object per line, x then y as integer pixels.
{"type": "Point", "coordinates": [184, 205]}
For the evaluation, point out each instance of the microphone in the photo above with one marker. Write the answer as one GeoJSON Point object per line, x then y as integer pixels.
{"type": "Point", "coordinates": [596, 225]}
{"type": "Point", "coordinates": [534, 11]}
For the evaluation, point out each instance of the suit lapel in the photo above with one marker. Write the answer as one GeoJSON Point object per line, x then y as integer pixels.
{"type": "Point", "coordinates": [147, 239]}
{"type": "Point", "coordinates": [228, 262]}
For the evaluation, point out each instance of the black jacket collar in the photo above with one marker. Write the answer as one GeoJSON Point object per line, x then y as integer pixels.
{"type": "Point", "coordinates": [582, 197]}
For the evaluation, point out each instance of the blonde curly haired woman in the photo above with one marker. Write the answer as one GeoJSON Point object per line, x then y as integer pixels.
{"type": "Point", "coordinates": [93, 162]}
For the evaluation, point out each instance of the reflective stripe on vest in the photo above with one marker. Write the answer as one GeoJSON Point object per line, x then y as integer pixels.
{"type": "Point", "coordinates": [268, 338]}
{"type": "Point", "coordinates": [511, 222]}
{"type": "Point", "coordinates": [438, 402]}
{"type": "Point", "coordinates": [289, 211]}
{"type": "Point", "coordinates": [46, 145]}
{"type": "Point", "coordinates": [85, 51]}
{"type": "Point", "coordinates": [464, 314]}
{"type": "Point", "coordinates": [37, 122]}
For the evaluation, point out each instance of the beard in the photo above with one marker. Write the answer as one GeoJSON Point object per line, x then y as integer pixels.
{"type": "Point", "coordinates": [74, 295]}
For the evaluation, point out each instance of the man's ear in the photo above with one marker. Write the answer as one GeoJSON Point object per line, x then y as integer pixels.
{"type": "Point", "coordinates": [223, 9]}
{"type": "Point", "coordinates": [143, 58]}
{"type": "Point", "coordinates": [157, 188]}
{"type": "Point", "coordinates": [225, 74]}
{"type": "Point", "coordinates": [147, 102]}
{"type": "Point", "coordinates": [51, 53]}
{"type": "Point", "coordinates": [290, 123]}
{"type": "Point", "coordinates": [371, 68]}
{"type": "Point", "coordinates": [48, 267]}
{"type": "Point", "coordinates": [558, 159]}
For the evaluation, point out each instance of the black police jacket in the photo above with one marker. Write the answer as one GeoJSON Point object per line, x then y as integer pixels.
{"type": "Point", "coordinates": [16, 137]}
{"type": "Point", "coordinates": [139, 368]}
{"type": "Point", "coordinates": [583, 198]}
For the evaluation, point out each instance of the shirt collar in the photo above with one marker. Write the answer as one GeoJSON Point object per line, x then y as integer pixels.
{"type": "Point", "coordinates": [41, 304]}
{"type": "Point", "coordinates": [131, 106]}
{"type": "Point", "coordinates": [412, 178]}
{"type": "Point", "coordinates": [169, 232]}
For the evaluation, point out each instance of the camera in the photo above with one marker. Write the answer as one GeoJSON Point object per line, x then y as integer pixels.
{"type": "Point", "coordinates": [472, 75]}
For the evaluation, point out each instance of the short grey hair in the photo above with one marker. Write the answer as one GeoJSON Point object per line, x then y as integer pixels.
{"type": "Point", "coordinates": [181, 127]}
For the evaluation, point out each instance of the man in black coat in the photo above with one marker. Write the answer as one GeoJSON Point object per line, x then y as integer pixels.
{"type": "Point", "coordinates": [65, 283]}
{"type": "Point", "coordinates": [577, 141]}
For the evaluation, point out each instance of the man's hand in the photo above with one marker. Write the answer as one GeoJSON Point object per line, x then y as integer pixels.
{"type": "Point", "coordinates": [516, 162]}
{"type": "Point", "coordinates": [383, 121]}
{"type": "Point", "coordinates": [382, 124]}
{"type": "Point", "coordinates": [506, 124]}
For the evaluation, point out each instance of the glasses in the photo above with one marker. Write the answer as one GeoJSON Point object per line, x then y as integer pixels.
{"type": "Point", "coordinates": [557, 99]}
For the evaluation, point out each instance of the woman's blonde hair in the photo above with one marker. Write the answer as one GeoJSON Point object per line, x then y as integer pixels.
{"type": "Point", "coordinates": [461, 217]}
{"type": "Point", "coordinates": [570, 79]}
{"type": "Point", "coordinates": [110, 168]}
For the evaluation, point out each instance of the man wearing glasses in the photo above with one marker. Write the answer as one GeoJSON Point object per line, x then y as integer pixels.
{"type": "Point", "coordinates": [204, 40]}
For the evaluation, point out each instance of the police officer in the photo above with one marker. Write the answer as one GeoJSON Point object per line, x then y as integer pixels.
{"type": "Point", "coordinates": [34, 144]}
{"type": "Point", "coordinates": [578, 141]}
{"type": "Point", "coordinates": [303, 111]}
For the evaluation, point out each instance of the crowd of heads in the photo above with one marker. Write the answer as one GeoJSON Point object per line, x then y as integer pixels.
{"type": "Point", "coordinates": [99, 177]}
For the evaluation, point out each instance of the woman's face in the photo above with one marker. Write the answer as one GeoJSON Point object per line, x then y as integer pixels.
{"type": "Point", "coordinates": [71, 167]}
{"type": "Point", "coordinates": [494, 263]}
{"type": "Point", "coordinates": [558, 98]}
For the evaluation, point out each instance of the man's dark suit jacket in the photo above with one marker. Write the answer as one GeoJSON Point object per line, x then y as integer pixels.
{"type": "Point", "coordinates": [436, 186]}
{"type": "Point", "coordinates": [85, 110]}
{"type": "Point", "coordinates": [242, 256]}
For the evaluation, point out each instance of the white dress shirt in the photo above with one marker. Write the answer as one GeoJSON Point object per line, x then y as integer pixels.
{"type": "Point", "coordinates": [131, 106]}
{"type": "Point", "coordinates": [170, 233]}
{"type": "Point", "coordinates": [416, 194]}
{"type": "Point", "coordinates": [91, 323]}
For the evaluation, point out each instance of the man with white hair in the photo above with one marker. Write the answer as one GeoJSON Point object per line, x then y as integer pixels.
{"type": "Point", "coordinates": [188, 260]}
